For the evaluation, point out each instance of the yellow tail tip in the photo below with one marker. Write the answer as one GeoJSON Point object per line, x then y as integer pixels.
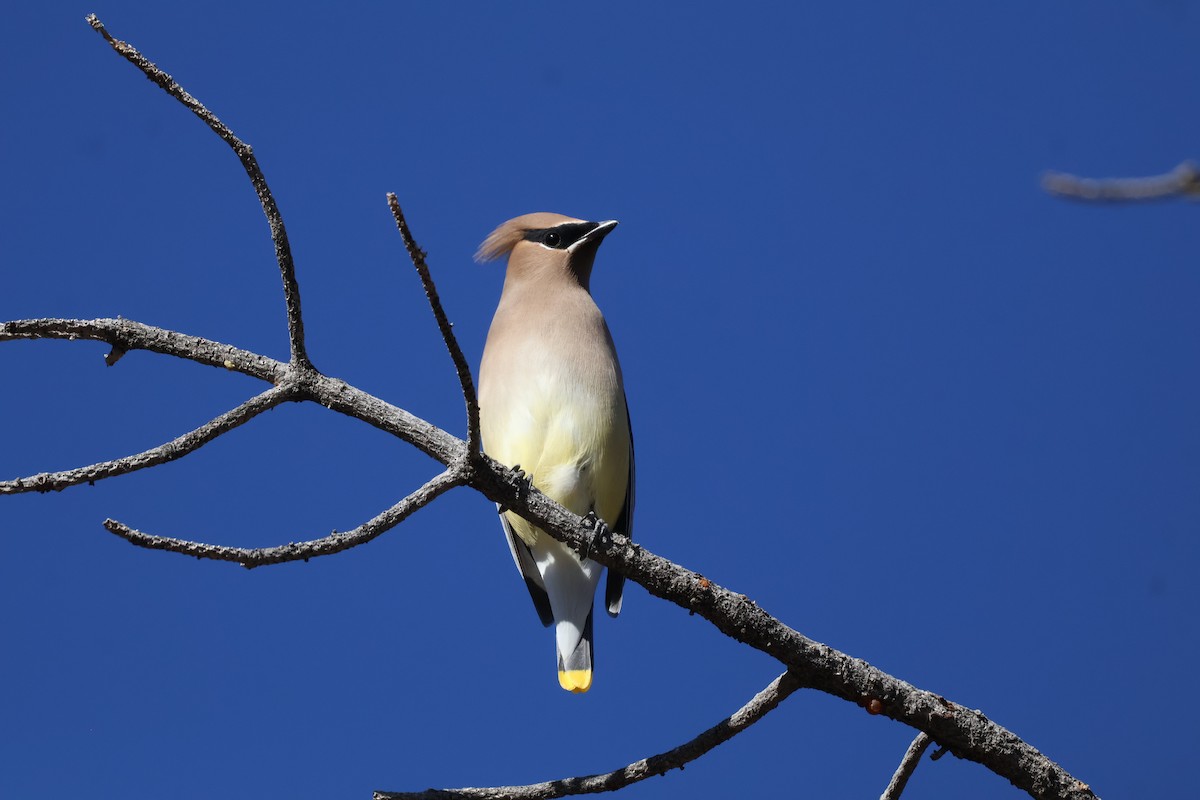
{"type": "Point", "coordinates": [575, 680]}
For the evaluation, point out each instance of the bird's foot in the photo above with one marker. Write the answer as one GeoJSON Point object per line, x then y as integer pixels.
{"type": "Point", "coordinates": [601, 533]}
{"type": "Point", "coordinates": [524, 483]}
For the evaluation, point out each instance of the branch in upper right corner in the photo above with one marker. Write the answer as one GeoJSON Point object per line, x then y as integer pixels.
{"type": "Point", "coordinates": [1183, 181]}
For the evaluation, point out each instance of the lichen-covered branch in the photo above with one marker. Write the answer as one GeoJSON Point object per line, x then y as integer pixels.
{"type": "Point", "coordinates": [172, 450]}
{"type": "Point", "coordinates": [417, 256]}
{"type": "Point", "coordinates": [908, 765]}
{"type": "Point", "coordinates": [1183, 181]}
{"type": "Point", "coordinates": [758, 707]}
{"type": "Point", "coordinates": [245, 154]}
{"type": "Point", "coordinates": [335, 542]}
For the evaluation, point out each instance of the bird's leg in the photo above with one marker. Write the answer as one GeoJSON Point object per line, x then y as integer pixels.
{"type": "Point", "coordinates": [524, 484]}
{"type": "Point", "coordinates": [601, 533]}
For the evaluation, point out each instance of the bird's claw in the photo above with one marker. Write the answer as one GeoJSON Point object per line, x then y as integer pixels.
{"type": "Point", "coordinates": [601, 533]}
{"type": "Point", "coordinates": [524, 483]}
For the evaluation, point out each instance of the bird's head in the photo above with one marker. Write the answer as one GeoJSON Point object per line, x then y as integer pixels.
{"type": "Point", "coordinates": [542, 245]}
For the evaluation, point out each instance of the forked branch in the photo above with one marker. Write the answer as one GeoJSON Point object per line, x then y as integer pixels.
{"type": "Point", "coordinates": [283, 250]}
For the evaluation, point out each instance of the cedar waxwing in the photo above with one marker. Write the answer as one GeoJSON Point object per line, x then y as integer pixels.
{"type": "Point", "coordinates": [552, 403]}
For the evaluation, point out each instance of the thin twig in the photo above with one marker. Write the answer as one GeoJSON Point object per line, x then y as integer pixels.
{"type": "Point", "coordinates": [1183, 181]}
{"type": "Point", "coordinates": [245, 154]}
{"type": "Point", "coordinates": [297, 551]}
{"type": "Point", "coordinates": [743, 718]}
{"type": "Point", "coordinates": [172, 450]}
{"type": "Point", "coordinates": [908, 765]}
{"type": "Point", "coordinates": [417, 255]}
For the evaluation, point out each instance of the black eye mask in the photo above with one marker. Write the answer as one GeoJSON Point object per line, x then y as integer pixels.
{"type": "Point", "coordinates": [560, 237]}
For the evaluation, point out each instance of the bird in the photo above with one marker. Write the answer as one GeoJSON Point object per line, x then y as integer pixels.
{"type": "Point", "coordinates": [552, 405]}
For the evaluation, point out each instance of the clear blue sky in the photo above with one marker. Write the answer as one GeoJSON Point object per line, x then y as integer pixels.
{"type": "Point", "coordinates": [880, 383]}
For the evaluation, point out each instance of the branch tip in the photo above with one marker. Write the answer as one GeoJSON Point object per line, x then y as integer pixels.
{"type": "Point", "coordinates": [98, 26]}
{"type": "Point", "coordinates": [114, 355]}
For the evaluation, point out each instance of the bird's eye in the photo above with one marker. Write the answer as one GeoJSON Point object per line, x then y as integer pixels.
{"type": "Point", "coordinates": [552, 239]}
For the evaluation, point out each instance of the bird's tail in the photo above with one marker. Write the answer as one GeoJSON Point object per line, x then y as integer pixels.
{"type": "Point", "coordinates": [575, 667]}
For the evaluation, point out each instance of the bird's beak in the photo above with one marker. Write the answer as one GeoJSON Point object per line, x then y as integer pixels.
{"type": "Point", "coordinates": [593, 237]}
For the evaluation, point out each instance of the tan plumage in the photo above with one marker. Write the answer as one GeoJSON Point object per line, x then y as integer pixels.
{"type": "Point", "coordinates": [552, 402]}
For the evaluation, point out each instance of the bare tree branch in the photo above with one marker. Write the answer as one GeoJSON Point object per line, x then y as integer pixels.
{"type": "Point", "coordinates": [126, 335]}
{"type": "Point", "coordinates": [908, 766]}
{"type": "Point", "coordinates": [245, 154]}
{"type": "Point", "coordinates": [969, 734]}
{"type": "Point", "coordinates": [307, 383]}
{"type": "Point", "coordinates": [335, 542]}
{"type": "Point", "coordinates": [417, 255]}
{"type": "Point", "coordinates": [172, 450]}
{"type": "Point", "coordinates": [758, 707]}
{"type": "Point", "coordinates": [966, 733]}
{"type": "Point", "coordinates": [1183, 181]}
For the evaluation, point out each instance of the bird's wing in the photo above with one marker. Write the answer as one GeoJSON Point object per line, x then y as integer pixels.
{"type": "Point", "coordinates": [614, 587]}
{"type": "Point", "coordinates": [523, 558]}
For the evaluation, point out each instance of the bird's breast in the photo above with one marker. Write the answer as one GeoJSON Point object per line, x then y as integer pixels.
{"type": "Point", "coordinates": [559, 412]}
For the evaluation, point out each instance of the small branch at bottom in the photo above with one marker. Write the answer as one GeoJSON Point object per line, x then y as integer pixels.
{"type": "Point", "coordinates": [747, 715]}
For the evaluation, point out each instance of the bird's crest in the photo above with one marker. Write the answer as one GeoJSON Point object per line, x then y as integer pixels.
{"type": "Point", "coordinates": [501, 241]}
